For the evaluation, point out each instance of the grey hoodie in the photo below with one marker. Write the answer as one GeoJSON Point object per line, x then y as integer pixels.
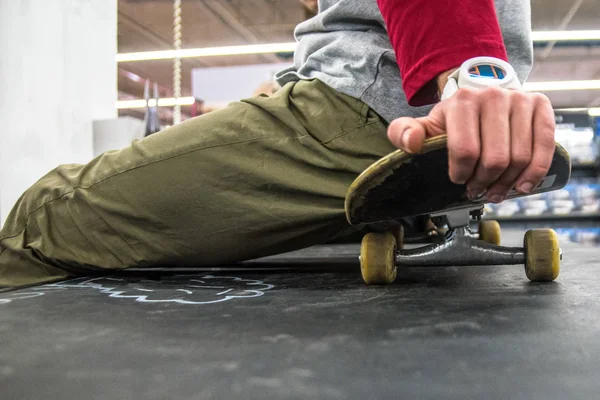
{"type": "Point", "coordinates": [347, 47]}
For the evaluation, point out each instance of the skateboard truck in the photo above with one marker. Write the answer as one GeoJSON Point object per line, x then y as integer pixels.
{"type": "Point", "coordinates": [460, 246]}
{"type": "Point", "coordinates": [382, 253]}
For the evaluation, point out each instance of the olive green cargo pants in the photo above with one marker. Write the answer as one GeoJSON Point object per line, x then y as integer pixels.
{"type": "Point", "coordinates": [263, 176]}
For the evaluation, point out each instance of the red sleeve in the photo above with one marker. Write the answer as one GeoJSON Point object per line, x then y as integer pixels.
{"type": "Point", "coordinates": [430, 37]}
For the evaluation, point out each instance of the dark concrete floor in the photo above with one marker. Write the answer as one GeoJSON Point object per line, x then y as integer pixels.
{"type": "Point", "coordinates": [452, 333]}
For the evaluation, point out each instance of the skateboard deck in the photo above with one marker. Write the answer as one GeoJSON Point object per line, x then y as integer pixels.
{"type": "Point", "coordinates": [402, 185]}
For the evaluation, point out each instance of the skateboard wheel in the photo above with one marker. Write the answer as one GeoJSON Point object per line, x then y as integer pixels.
{"type": "Point", "coordinates": [490, 232]}
{"type": "Point", "coordinates": [378, 258]}
{"type": "Point", "coordinates": [542, 255]}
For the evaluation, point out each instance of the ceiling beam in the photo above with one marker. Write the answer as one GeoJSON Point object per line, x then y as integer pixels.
{"type": "Point", "coordinates": [223, 12]}
{"type": "Point", "coordinates": [142, 30]}
{"type": "Point", "coordinates": [562, 26]}
{"type": "Point", "coordinates": [568, 58]}
{"type": "Point", "coordinates": [594, 103]}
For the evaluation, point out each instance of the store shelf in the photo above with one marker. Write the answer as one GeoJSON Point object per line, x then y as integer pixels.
{"type": "Point", "coordinates": [574, 216]}
{"type": "Point", "coordinates": [592, 166]}
{"type": "Point", "coordinates": [584, 171]}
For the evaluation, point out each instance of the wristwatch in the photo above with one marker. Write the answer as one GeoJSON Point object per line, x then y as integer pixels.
{"type": "Point", "coordinates": [482, 72]}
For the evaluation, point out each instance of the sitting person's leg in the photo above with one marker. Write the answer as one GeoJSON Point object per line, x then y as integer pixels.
{"type": "Point", "coordinates": [263, 176]}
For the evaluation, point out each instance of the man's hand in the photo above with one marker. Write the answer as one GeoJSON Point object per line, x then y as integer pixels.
{"type": "Point", "coordinates": [498, 139]}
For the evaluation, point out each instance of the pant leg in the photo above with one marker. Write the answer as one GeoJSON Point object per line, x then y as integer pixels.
{"type": "Point", "coordinates": [263, 176]}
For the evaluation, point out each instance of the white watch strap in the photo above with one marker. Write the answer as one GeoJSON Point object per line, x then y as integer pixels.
{"type": "Point", "coordinates": [482, 72]}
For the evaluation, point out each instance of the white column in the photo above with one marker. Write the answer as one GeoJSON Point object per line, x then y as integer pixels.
{"type": "Point", "coordinates": [57, 75]}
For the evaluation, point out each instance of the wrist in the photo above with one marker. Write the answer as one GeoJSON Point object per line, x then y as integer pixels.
{"type": "Point", "coordinates": [442, 80]}
{"type": "Point", "coordinates": [478, 73]}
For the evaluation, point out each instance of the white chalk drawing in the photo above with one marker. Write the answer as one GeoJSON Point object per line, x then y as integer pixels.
{"type": "Point", "coordinates": [6, 298]}
{"type": "Point", "coordinates": [179, 289]}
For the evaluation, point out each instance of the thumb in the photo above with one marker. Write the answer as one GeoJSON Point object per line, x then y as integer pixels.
{"type": "Point", "coordinates": [409, 134]}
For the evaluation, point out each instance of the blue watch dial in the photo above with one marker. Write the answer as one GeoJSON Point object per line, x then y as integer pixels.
{"type": "Point", "coordinates": [487, 71]}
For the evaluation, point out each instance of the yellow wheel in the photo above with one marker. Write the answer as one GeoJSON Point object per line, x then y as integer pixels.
{"type": "Point", "coordinates": [542, 255]}
{"type": "Point", "coordinates": [378, 258]}
{"type": "Point", "coordinates": [489, 231]}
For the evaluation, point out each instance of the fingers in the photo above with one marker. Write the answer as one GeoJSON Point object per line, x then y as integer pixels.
{"type": "Point", "coordinates": [464, 144]}
{"type": "Point", "coordinates": [516, 141]}
{"type": "Point", "coordinates": [521, 145]}
{"type": "Point", "coordinates": [495, 142]}
{"type": "Point", "coordinates": [543, 145]}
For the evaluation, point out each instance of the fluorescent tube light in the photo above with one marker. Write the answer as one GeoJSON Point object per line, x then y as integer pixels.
{"type": "Point", "coordinates": [561, 85]}
{"type": "Point", "coordinates": [560, 36]}
{"type": "Point", "coordinates": [166, 102]}
{"type": "Point", "coordinates": [208, 52]}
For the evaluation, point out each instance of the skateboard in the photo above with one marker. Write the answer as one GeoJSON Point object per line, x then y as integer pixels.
{"type": "Point", "coordinates": [402, 185]}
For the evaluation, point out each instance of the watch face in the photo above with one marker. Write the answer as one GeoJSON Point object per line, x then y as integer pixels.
{"type": "Point", "coordinates": [487, 71]}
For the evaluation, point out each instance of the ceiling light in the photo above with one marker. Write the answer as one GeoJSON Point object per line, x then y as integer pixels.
{"type": "Point", "coordinates": [593, 112]}
{"type": "Point", "coordinates": [208, 52]}
{"type": "Point", "coordinates": [537, 36]}
{"type": "Point", "coordinates": [166, 102]}
{"type": "Point", "coordinates": [571, 110]}
{"type": "Point", "coordinates": [559, 36]}
{"type": "Point", "coordinates": [561, 85]}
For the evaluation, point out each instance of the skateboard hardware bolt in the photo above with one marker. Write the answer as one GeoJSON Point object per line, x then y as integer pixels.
{"type": "Point", "coordinates": [476, 214]}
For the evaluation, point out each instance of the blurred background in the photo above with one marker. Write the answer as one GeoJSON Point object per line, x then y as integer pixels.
{"type": "Point", "coordinates": [82, 77]}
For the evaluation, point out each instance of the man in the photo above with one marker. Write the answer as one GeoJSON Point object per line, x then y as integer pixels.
{"type": "Point", "coordinates": [269, 174]}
